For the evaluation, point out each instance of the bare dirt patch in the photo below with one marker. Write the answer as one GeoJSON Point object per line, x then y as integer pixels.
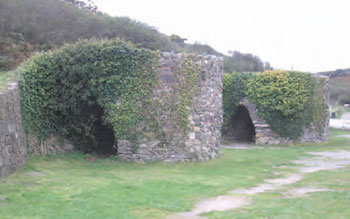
{"type": "Point", "coordinates": [237, 198]}
{"type": "Point", "coordinates": [344, 136]}
{"type": "Point", "coordinates": [300, 192]}
{"type": "Point", "coordinates": [219, 203]}
{"type": "Point", "coordinates": [345, 116]}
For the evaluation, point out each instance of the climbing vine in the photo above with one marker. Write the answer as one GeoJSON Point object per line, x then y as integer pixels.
{"type": "Point", "coordinates": [81, 89]}
{"type": "Point", "coordinates": [288, 101]}
{"type": "Point", "coordinates": [166, 115]}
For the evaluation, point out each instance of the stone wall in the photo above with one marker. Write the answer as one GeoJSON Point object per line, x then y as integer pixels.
{"type": "Point", "coordinates": [202, 141]}
{"type": "Point", "coordinates": [12, 147]}
{"type": "Point", "coordinates": [264, 134]}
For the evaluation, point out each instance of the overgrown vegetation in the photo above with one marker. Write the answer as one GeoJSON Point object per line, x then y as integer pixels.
{"type": "Point", "coordinates": [37, 25]}
{"type": "Point", "coordinates": [339, 86]}
{"type": "Point", "coordinates": [46, 24]}
{"type": "Point", "coordinates": [86, 88]}
{"type": "Point", "coordinates": [240, 62]}
{"type": "Point", "coordinates": [288, 101]}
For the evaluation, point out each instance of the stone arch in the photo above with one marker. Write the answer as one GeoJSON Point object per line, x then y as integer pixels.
{"type": "Point", "coordinates": [263, 132]}
{"type": "Point", "coordinates": [242, 128]}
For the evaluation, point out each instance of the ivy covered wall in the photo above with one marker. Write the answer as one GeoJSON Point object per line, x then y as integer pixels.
{"type": "Point", "coordinates": [186, 112]}
{"type": "Point", "coordinates": [112, 97]}
{"type": "Point", "coordinates": [288, 104]}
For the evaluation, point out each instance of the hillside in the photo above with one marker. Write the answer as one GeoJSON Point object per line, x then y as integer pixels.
{"type": "Point", "coordinates": [339, 85]}
{"type": "Point", "coordinates": [32, 25]}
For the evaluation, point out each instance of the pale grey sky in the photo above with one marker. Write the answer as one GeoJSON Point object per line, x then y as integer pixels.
{"type": "Point", "coordinates": [311, 35]}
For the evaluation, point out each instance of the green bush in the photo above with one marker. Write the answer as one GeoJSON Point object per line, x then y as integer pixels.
{"type": "Point", "coordinates": [288, 101]}
{"type": "Point", "coordinates": [83, 89]}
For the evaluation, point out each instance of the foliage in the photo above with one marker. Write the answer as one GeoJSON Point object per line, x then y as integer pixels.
{"type": "Point", "coordinates": [87, 4]}
{"type": "Point", "coordinates": [288, 101]}
{"type": "Point", "coordinates": [167, 114]}
{"type": "Point", "coordinates": [13, 50]}
{"type": "Point", "coordinates": [240, 62]}
{"type": "Point", "coordinates": [82, 88]}
{"type": "Point", "coordinates": [202, 49]}
{"type": "Point", "coordinates": [50, 23]}
{"type": "Point", "coordinates": [283, 99]}
{"type": "Point", "coordinates": [47, 24]}
{"type": "Point", "coordinates": [340, 89]}
{"type": "Point", "coordinates": [237, 62]}
{"type": "Point", "coordinates": [319, 112]}
{"type": "Point", "coordinates": [339, 86]}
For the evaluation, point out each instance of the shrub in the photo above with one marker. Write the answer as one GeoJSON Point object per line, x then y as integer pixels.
{"type": "Point", "coordinates": [288, 101]}
{"type": "Point", "coordinates": [72, 91]}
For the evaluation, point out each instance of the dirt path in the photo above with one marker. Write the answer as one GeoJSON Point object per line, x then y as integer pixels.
{"type": "Point", "coordinates": [237, 198]}
{"type": "Point", "coordinates": [345, 116]}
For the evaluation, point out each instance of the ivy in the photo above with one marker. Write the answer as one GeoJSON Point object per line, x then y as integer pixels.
{"type": "Point", "coordinates": [79, 87]}
{"type": "Point", "coordinates": [83, 88]}
{"type": "Point", "coordinates": [288, 101]}
{"type": "Point", "coordinates": [234, 90]}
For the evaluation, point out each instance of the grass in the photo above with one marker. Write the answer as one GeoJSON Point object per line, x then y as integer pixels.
{"type": "Point", "coordinates": [73, 186]}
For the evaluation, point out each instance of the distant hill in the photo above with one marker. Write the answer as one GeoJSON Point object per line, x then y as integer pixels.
{"type": "Point", "coordinates": [339, 85]}
{"type": "Point", "coordinates": [336, 73]}
{"type": "Point", "coordinates": [32, 25]}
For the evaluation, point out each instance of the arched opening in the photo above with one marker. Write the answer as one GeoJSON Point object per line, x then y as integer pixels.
{"type": "Point", "coordinates": [103, 134]}
{"type": "Point", "coordinates": [242, 127]}
{"type": "Point", "coordinates": [100, 139]}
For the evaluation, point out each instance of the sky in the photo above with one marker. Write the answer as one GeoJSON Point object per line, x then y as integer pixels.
{"type": "Point", "coordinates": [305, 35]}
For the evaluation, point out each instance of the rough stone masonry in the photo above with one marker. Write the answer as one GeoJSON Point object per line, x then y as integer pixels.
{"type": "Point", "coordinates": [12, 147]}
{"type": "Point", "coordinates": [202, 141]}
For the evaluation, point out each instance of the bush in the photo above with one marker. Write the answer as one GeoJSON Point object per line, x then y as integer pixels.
{"type": "Point", "coordinates": [288, 101]}
{"type": "Point", "coordinates": [344, 98]}
{"type": "Point", "coordinates": [50, 23]}
{"type": "Point", "coordinates": [74, 90]}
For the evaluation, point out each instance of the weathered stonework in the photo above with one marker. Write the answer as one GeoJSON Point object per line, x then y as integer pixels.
{"type": "Point", "coordinates": [12, 147]}
{"type": "Point", "coordinates": [202, 141]}
{"type": "Point", "coordinates": [264, 134]}
{"type": "Point", "coordinates": [52, 144]}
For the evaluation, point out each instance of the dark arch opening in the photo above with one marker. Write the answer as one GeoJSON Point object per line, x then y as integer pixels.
{"type": "Point", "coordinates": [103, 135]}
{"type": "Point", "coordinates": [106, 142]}
{"type": "Point", "coordinates": [242, 127]}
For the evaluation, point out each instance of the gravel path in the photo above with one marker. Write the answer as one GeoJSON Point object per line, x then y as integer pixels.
{"type": "Point", "coordinates": [345, 116]}
{"type": "Point", "coordinates": [339, 123]}
{"type": "Point", "coordinates": [240, 197]}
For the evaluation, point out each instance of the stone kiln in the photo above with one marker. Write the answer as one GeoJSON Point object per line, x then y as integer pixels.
{"type": "Point", "coordinates": [202, 141]}
{"type": "Point", "coordinates": [265, 135]}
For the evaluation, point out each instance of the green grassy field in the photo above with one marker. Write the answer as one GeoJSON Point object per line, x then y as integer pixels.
{"type": "Point", "coordinates": [76, 186]}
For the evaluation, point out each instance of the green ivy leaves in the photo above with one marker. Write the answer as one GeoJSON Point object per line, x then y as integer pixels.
{"type": "Point", "coordinates": [288, 101]}
{"type": "Point", "coordinates": [69, 90]}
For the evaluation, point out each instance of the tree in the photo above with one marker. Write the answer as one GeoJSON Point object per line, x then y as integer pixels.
{"type": "Point", "coordinates": [87, 4]}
